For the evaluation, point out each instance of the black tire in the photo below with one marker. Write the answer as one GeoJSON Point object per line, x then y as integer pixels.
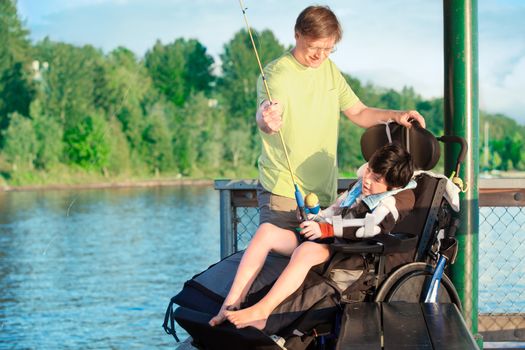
{"type": "Point", "coordinates": [409, 283]}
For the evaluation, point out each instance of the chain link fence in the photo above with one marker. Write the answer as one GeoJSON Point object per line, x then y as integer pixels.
{"type": "Point", "coordinates": [502, 273]}
{"type": "Point", "coordinates": [247, 220]}
{"type": "Point", "coordinates": [501, 263]}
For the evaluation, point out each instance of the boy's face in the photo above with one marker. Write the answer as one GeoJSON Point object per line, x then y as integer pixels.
{"type": "Point", "coordinates": [373, 183]}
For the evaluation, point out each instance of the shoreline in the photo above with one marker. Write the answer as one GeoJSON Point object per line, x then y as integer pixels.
{"type": "Point", "coordinates": [109, 185]}
{"type": "Point", "coordinates": [483, 178]}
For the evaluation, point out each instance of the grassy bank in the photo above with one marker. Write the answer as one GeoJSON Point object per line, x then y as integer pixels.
{"type": "Point", "coordinates": [63, 177]}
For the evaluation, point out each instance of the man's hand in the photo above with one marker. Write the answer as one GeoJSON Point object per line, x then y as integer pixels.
{"type": "Point", "coordinates": [269, 117]}
{"type": "Point", "coordinates": [365, 116]}
{"type": "Point", "coordinates": [405, 117]}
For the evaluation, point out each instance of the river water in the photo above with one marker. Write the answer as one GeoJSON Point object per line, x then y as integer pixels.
{"type": "Point", "coordinates": [95, 269]}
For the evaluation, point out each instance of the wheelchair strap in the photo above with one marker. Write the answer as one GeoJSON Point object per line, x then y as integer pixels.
{"type": "Point", "coordinates": [168, 317]}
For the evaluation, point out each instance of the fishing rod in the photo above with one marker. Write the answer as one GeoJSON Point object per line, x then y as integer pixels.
{"type": "Point", "coordinates": [298, 195]}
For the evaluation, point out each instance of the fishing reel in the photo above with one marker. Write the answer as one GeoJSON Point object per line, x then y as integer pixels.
{"type": "Point", "coordinates": [311, 202]}
{"type": "Point", "coordinates": [308, 205]}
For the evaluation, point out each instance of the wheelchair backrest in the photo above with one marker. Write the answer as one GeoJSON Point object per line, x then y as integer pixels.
{"type": "Point", "coordinates": [424, 149]}
{"type": "Point", "coordinates": [420, 143]}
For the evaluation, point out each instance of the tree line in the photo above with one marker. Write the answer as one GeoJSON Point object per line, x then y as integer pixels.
{"type": "Point", "coordinates": [69, 111]}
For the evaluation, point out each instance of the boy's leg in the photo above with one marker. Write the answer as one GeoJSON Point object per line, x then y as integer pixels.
{"type": "Point", "coordinates": [267, 238]}
{"type": "Point", "coordinates": [305, 256]}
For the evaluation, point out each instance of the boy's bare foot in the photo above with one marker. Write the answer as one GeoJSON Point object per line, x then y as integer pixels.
{"type": "Point", "coordinates": [252, 316]}
{"type": "Point", "coordinates": [221, 317]}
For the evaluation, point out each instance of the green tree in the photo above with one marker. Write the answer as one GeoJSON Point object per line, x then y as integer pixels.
{"type": "Point", "coordinates": [240, 72]}
{"type": "Point", "coordinates": [366, 93]}
{"type": "Point", "coordinates": [515, 150]}
{"type": "Point", "coordinates": [237, 88]}
{"type": "Point", "coordinates": [409, 98]}
{"type": "Point", "coordinates": [199, 69]}
{"type": "Point", "coordinates": [157, 142]}
{"type": "Point", "coordinates": [180, 69]}
{"type": "Point", "coordinates": [119, 157]}
{"type": "Point", "coordinates": [509, 150]}
{"type": "Point", "coordinates": [125, 92]}
{"type": "Point", "coordinates": [349, 149]}
{"type": "Point", "coordinates": [391, 99]}
{"type": "Point", "coordinates": [20, 142]}
{"type": "Point", "coordinates": [503, 148]}
{"type": "Point", "coordinates": [506, 138]}
{"type": "Point", "coordinates": [15, 86]}
{"type": "Point", "coordinates": [16, 92]}
{"type": "Point", "coordinates": [69, 82]}
{"type": "Point", "coordinates": [433, 112]}
{"type": "Point", "coordinates": [236, 151]}
{"type": "Point", "coordinates": [199, 136]}
{"type": "Point", "coordinates": [14, 42]}
{"type": "Point", "coordinates": [49, 135]}
{"type": "Point", "coordinates": [86, 143]}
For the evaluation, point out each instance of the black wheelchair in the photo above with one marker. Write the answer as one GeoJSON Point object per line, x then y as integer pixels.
{"type": "Point", "coordinates": [406, 265]}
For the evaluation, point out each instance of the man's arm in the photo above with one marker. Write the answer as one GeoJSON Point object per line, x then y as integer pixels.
{"type": "Point", "coordinates": [365, 116]}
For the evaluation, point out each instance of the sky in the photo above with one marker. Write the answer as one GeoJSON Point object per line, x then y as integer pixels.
{"type": "Point", "coordinates": [389, 43]}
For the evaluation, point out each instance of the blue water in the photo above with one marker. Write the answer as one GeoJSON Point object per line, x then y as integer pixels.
{"type": "Point", "coordinates": [95, 269]}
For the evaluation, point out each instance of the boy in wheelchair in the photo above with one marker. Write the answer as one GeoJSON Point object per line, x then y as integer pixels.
{"type": "Point", "coordinates": [381, 197]}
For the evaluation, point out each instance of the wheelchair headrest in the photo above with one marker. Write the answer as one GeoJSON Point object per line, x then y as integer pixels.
{"type": "Point", "coordinates": [419, 142]}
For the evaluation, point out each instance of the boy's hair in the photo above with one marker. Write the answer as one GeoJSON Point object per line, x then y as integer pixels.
{"type": "Point", "coordinates": [393, 163]}
{"type": "Point", "coordinates": [318, 22]}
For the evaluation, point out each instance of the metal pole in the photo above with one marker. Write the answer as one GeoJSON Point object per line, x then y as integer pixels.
{"type": "Point", "coordinates": [226, 216]}
{"type": "Point", "coordinates": [462, 119]}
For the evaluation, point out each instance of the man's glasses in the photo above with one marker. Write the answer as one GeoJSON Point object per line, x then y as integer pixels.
{"type": "Point", "coordinates": [326, 51]}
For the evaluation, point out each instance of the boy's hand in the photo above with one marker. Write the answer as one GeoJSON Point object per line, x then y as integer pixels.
{"type": "Point", "coordinates": [311, 230]}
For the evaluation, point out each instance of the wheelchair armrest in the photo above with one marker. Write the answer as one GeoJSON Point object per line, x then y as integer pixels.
{"type": "Point", "coordinates": [398, 242]}
{"type": "Point", "coordinates": [359, 247]}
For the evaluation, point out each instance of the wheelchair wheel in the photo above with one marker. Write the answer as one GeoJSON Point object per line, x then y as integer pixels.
{"type": "Point", "coordinates": [410, 282]}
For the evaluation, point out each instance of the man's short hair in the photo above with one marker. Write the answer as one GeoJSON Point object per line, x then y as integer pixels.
{"type": "Point", "coordinates": [393, 163]}
{"type": "Point", "coordinates": [318, 22]}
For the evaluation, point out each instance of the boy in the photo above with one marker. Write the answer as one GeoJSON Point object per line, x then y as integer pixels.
{"type": "Point", "coordinates": [379, 199]}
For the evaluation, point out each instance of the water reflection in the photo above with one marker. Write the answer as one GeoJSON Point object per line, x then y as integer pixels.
{"type": "Point", "coordinates": [95, 269]}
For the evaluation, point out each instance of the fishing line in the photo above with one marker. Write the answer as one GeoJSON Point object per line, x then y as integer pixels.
{"type": "Point", "coordinates": [298, 195]}
{"type": "Point", "coordinates": [265, 83]}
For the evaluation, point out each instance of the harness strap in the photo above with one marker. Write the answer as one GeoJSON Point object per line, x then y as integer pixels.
{"type": "Point", "coordinates": [168, 317]}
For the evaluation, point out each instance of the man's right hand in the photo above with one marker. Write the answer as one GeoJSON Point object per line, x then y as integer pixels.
{"type": "Point", "coordinates": [269, 116]}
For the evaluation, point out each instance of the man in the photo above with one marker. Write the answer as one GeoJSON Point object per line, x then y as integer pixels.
{"type": "Point", "coordinates": [308, 93]}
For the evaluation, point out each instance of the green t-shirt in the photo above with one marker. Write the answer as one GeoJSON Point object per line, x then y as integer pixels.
{"type": "Point", "coordinates": [312, 100]}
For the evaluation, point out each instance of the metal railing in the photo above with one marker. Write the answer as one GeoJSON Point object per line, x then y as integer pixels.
{"type": "Point", "coordinates": [501, 302]}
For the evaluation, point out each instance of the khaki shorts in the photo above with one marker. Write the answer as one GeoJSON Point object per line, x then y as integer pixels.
{"type": "Point", "coordinates": [277, 210]}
